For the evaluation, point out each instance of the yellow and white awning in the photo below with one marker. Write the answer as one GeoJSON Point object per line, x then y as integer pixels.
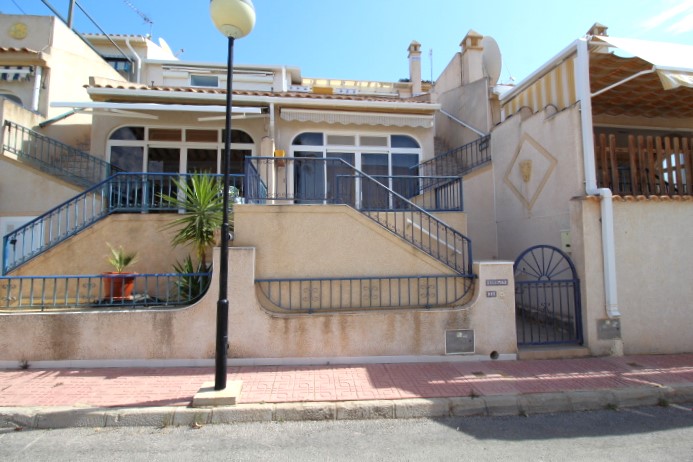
{"type": "Point", "coordinates": [672, 62]}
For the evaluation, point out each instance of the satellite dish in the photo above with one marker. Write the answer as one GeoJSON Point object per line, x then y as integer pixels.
{"type": "Point", "coordinates": [491, 59]}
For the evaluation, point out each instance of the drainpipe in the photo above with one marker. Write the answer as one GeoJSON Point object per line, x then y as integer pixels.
{"type": "Point", "coordinates": [35, 97]}
{"type": "Point", "coordinates": [138, 60]}
{"type": "Point", "coordinates": [272, 127]}
{"type": "Point", "coordinates": [607, 211]}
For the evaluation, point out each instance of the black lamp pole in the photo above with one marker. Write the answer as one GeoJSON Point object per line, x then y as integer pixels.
{"type": "Point", "coordinates": [223, 303]}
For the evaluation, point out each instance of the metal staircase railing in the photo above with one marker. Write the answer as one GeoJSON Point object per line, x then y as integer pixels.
{"type": "Point", "coordinates": [53, 157]}
{"type": "Point", "coordinates": [334, 181]}
{"type": "Point", "coordinates": [121, 193]}
{"type": "Point", "coordinates": [458, 161]}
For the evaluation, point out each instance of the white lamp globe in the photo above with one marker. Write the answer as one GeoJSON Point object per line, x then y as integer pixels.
{"type": "Point", "coordinates": [233, 18]}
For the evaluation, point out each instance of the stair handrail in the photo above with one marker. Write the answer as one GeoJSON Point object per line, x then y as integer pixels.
{"type": "Point", "coordinates": [477, 146]}
{"type": "Point", "coordinates": [96, 170]}
{"type": "Point", "coordinates": [378, 215]}
{"type": "Point", "coordinates": [122, 192]}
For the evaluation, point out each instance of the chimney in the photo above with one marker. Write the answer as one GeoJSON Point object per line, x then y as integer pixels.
{"type": "Point", "coordinates": [415, 67]}
{"type": "Point", "coordinates": [472, 57]}
{"type": "Point", "coordinates": [598, 29]}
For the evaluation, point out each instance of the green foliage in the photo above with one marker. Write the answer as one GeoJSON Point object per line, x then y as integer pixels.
{"type": "Point", "coordinates": [191, 286]}
{"type": "Point", "coordinates": [120, 259]}
{"type": "Point", "coordinates": [201, 199]}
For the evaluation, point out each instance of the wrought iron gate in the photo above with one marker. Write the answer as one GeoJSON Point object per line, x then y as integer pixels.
{"type": "Point", "coordinates": [547, 298]}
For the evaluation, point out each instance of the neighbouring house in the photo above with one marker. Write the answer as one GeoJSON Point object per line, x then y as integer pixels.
{"type": "Point", "coordinates": [591, 155]}
{"type": "Point", "coordinates": [42, 61]}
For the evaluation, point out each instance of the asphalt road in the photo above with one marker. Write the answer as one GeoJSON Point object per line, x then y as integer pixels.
{"type": "Point", "coordinates": [637, 434]}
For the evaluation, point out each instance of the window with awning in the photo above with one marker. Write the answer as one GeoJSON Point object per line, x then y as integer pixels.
{"type": "Point", "coordinates": [16, 73]}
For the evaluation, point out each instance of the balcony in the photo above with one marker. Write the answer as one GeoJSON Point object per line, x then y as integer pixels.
{"type": "Point", "coordinates": [641, 165]}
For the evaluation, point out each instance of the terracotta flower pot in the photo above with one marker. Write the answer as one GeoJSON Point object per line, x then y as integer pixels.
{"type": "Point", "coordinates": [118, 286]}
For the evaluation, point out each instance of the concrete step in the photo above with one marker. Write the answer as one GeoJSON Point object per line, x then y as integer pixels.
{"type": "Point", "coordinates": [553, 352]}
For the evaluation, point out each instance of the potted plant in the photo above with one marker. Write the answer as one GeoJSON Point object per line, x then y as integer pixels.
{"type": "Point", "coordinates": [118, 284]}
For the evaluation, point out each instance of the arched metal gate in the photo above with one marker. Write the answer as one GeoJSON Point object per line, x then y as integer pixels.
{"type": "Point", "coordinates": [547, 298]}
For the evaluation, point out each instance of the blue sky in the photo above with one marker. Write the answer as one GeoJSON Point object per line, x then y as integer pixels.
{"type": "Point", "coordinates": [368, 39]}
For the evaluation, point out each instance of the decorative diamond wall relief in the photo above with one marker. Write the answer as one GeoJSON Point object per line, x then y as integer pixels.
{"type": "Point", "coordinates": [529, 170]}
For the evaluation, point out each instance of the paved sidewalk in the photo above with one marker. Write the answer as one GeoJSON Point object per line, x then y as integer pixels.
{"type": "Point", "coordinates": [162, 396]}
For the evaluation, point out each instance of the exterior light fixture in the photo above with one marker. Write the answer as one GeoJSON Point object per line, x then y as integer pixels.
{"type": "Point", "coordinates": [234, 19]}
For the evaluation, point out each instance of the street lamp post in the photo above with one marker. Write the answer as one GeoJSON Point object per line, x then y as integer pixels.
{"type": "Point", "coordinates": [234, 19]}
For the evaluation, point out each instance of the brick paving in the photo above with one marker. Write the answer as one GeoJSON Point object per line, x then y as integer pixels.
{"type": "Point", "coordinates": [154, 387]}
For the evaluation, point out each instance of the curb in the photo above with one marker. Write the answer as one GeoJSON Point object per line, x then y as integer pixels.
{"type": "Point", "coordinates": [492, 405]}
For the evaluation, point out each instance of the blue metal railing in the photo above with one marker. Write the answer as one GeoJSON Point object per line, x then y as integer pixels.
{"type": "Point", "coordinates": [121, 193]}
{"type": "Point", "coordinates": [329, 295]}
{"type": "Point", "coordinates": [22, 293]}
{"type": "Point", "coordinates": [431, 193]}
{"type": "Point", "coordinates": [458, 161]}
{"type": "Point", "coordinates": [54, 157]}
{"type": "Point", "coordinates": [334, 181]}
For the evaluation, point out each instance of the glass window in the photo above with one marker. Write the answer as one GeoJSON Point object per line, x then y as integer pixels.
{"type": "Point", "coordinates": [404, 141]}
{"type": "Point", "coordinates": [128, 158]}
{"type": "Point", "coordinates": [341, 140]}
{"type": "Point", "coordinates": [202, 161]}
{"type": "Point", "coordinates": [238, 160]}
{"type": "Point", "coordinates": [402, 164]}
{"type": "Point", "coordinates": [405, 165]}
{"type": "Point", "coordinates": [309, 178]}
{"type": "Point", "coordinates": [372, 195]}
{"type": "Point", "coordinates": [340, 180]}
{"type": "Point", "coordinates": [237, 136]}
{"type": "Point", "coordinates": [165, 134]}
{"type": "Point", "coordinates": [309, 139]}
{"type": "Point", "coordinates": [380, 141]}
{"type": "Point", "coordinates": [163, 160]}
{"type": "Point", "coordinates": [204, 81]}
{"type": "Point", "coordinates": [201, 136]}
{"type": "Point", "coordinates": [129, 133]}
{"type": "Point", "coordinates": [12, 98]}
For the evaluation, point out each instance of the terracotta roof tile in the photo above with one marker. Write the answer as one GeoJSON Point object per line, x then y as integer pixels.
{"type": "Point", "coordinates": [17, 50]}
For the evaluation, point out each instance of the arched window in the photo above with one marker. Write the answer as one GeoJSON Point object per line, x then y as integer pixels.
{"type": "Point", "coordinates": [387, 158]}
{"type": "Point", "coordinates": [11, 97]}
{"type": "Point", "coordinates": [176, 150]}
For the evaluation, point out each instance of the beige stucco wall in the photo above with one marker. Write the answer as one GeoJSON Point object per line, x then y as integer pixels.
{"type": "Point", "coordinates": [469, 104]}
{"type": "Point", "coordinates": [653, 256]}
{"type": "Point", "coordinates": [536, 211]}
{"type": "Point", "coordinates": [188, 334]}
{"type": "Point", "coordinates": [325, 241]}
{"type": "Point", "coordinates": [70, 60]}
{"type": "Point", "coordinates": [11, 111]}
{"type": "Point", "coordinates": [87, 252]}
{"type": "Point", "coordinates": [480, 209]}
{"type": "Point", "coordinates": [25, 191]}
{"type": "Point", "coordinates": [69, 64]}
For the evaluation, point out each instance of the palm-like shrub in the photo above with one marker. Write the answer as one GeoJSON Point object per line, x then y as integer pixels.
{"type": "Point", "coordinates": [200, 196]}
{"type": "Point", "coordinates": [120, 259]}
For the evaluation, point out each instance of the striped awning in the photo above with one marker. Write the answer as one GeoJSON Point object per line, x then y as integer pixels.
{"type": "Point", "coordinates": [556, 87]}
{"type": "Point", "coordinates": [358, 118]}
{"type": "Point", "coordinates": [15, 73]}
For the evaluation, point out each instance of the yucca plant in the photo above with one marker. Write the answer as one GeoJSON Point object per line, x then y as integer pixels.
{"type": "Point", "coordinates": [190, 285]}
{"type": "Point", "coordinates": [200, 197]}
